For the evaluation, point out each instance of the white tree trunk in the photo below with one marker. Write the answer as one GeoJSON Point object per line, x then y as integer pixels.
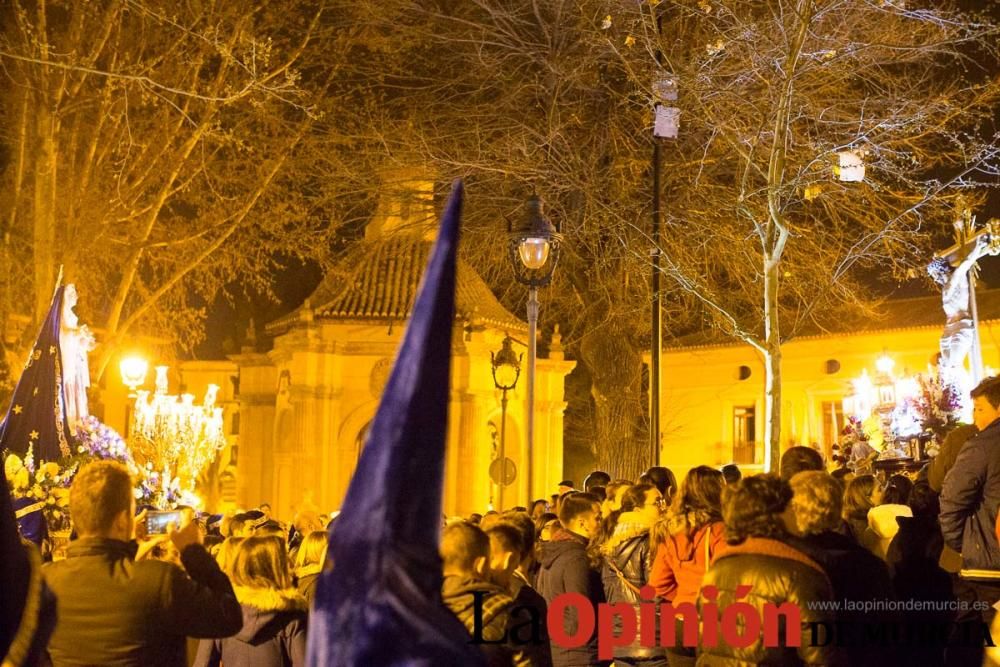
{"type": "Point", "coordinates": [772, 368]}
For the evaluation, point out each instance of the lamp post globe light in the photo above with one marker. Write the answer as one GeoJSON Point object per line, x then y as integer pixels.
{"type": "Point", "coordinates": [534, 252]}
{"type": "Point", "coordinates": [506, 367]}
{"type": "Point", "coordinates": [133, 370]}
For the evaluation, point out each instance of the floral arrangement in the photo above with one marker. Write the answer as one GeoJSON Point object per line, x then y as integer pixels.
{"type": "Point", "coordinates": [938, 405]}
{"type": "Point", "coordinates": [96, 440]}
{"type": "Point", "coordinates": [857, 447]}
{"type": "Point", "coordinates": [47, 482]}
{"type": "Point", "coordinates": [158, 489]}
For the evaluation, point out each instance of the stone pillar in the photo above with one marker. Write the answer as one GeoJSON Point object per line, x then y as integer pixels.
{"type": "Point", "coordinates": [257, 396]}
{"type": "Point", "coordinates": [465, 471]}
{"type": "Point", "coordinates": [550, 406]}
{"type": "Point", "coordinates": [549, 446]}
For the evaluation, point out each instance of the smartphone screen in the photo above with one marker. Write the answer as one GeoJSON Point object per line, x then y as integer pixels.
{"type": "Point", "coordinates": [157, 522]}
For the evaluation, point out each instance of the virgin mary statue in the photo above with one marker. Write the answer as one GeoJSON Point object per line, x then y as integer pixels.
{"type": "Point", "coordinates": [75, 342]}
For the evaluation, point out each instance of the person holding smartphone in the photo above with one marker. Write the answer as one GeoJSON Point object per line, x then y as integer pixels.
{"type": "Point", "coordinates": [113, 609]}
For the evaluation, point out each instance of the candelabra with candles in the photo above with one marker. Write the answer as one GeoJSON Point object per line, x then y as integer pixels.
{"type": "Point", "coordinates": [886, 407]}
{"type": "Point", "coordinates": [173, 435]}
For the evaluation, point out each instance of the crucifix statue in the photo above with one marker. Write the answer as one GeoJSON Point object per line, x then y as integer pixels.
{"type": "Point", "coordinates": [954, 270]}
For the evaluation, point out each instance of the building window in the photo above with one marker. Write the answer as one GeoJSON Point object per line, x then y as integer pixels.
{"type": "Point", "coordinates": [744, 433]}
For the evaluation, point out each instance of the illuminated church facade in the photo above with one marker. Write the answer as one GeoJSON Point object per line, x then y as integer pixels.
{"type": "Point", "coordinates": [306, 405]}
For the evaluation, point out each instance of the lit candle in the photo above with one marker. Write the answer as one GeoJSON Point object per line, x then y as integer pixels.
{"type": "Point", "coordinates": [210, 395]}
{"type": "Point", "coordinates": [161, 379]}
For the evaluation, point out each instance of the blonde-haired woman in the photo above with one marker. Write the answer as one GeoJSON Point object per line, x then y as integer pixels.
{"type": "Point", "coordinates": [309, 563]}
{"type": "Point", "coordinates": [226, 553]}
{"type": "Point", "coordinates": [274, 613]}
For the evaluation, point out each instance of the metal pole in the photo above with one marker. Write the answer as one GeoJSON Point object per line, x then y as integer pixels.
{"type": "Point", "coordinates": [503, 449]}
{"type": "Point", "coordinates": [977, 351]}
{"type": "Point", "coordinates": [530, 420]}
{"type": "Point", "coordinates": [657, 320]}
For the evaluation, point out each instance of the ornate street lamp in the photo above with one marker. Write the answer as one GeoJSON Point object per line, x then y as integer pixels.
{"type": "Point", "coordinates": [133, 370]}
{"type": "Point", "coordinates": [534, 252]}
{"type": "Point", "coordinates": [506, 371]}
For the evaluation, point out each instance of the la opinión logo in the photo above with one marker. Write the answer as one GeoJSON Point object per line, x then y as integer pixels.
{"type": "Point", "coordinates": [740, 624]}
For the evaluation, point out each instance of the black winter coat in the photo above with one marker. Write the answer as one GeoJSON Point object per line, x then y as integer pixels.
{"type": "Point", "coordinates": [114, 611]}
{"type": "Point", "coordinates": [913, 556]}
{"type": "Point", "coordinates": [565, 569]}
{"type": "Point", "coordinates": [776, 573]}
{"type": "Point", "coordinates": [855, 573]}
{"type": "Point", "coordinates": [628, 552]}
{"type": "Point", "coordinates": [528, 601]}
{"type": "Point", "coordinates": [273, 633]}
{"type": "Point", "coordinates": [854, 528]}
{"type": "Point", "coordinates": [969, 501]}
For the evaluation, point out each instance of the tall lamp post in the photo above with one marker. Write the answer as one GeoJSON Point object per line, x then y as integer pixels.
{"type": "Point", "coordinates": [506, 370]}
{"type": "Point", "coordinates": [534, 252]}
{"type": "Point", "coordinates": [665, 126]}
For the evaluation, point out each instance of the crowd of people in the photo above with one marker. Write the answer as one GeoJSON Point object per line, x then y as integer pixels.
{"type": "Point", "coordinates": [233, 591]}
{"type": "Point", "coordinates": [852, 553]}
{"type": "Point", "coordinates": [887, 569]}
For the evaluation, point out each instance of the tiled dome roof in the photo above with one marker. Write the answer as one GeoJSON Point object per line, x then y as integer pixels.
{"type": "Point", "coordinates": [382, 284]}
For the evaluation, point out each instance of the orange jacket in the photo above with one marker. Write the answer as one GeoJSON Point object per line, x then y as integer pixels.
{"type": "Point", "coordinates": [680, 563]}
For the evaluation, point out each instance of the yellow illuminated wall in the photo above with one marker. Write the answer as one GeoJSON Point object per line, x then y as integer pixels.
{"type": "Point", "coordinates": [306, 406]}
{"type": "Point", "coordinates": [703, 393]}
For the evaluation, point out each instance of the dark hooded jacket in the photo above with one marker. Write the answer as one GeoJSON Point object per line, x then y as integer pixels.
{"type": "Point", "coordinates": [273, 633]}
{"type": "Point", "coordinates": [768, 571]}
{"type": "Point", "coordinates": [969, 503]}
{"type": "Point", "coordinates": [114, 611]}
{"type": "Point", "coordinates": [466, 598]}
{"type": "Point", "coordinates": [625, 569]}
{"type": "Point", "coordinates": [566, 569]}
